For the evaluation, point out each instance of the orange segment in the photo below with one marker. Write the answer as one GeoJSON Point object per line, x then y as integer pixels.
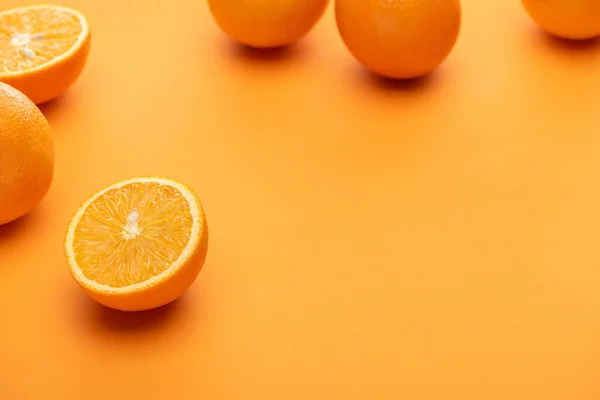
{"type": "Point", "coordinates": [43, 49]}
{"type": "Point", "coordinates": [138, 244]}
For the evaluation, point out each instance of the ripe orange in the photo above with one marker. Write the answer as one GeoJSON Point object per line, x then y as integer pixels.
{"type": "Point", "coordinates": [43, 49]}
{"type": "Point", "coordinates": [137, 244]}
{"type": "Point", "coordinates": [26, 154]}
{"type": "Point", "coordinates": [399, 39]}
{"type": "Point", "coordinates": [263, 24]}
{"type": "Point", "coordinates": [572, 19]}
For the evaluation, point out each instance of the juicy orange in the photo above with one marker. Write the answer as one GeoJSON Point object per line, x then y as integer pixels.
{"type": "Point", "coordinates": [263, 24]}
{"type": "Point", "coordinates": [399, 39]}
{"type": "Point", "coordinates": [26, 154]}
{"type": "Point", "coordinates": [137, 244]}
{"type": "Point", "coordinates": [43, 49]}
{"type": "Point", "coordinates": [572, 19]}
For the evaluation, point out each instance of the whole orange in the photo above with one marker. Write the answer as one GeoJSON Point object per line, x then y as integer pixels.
{"type": "Point", "coordinates": [267, 23]}
{"type": "Point", "coordinates": [399, 39]}
{"type": "Point", "coordinates": [572, 19]}
{"type": "Point", "coordinates": [26, 154]}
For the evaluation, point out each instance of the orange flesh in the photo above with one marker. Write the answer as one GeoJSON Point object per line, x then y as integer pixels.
{"type": "Point", "coordinates": [33, 37]}
{"type": "Point", "coordinates": [132, 233]}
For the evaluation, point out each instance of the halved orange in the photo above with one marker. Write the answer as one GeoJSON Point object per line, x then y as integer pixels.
{"type": "Point", "coordinates": [43, 49]}
{"type": "Point", "coordinates": [137, 244]}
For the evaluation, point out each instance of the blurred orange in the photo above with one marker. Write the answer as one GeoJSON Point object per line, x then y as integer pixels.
{"type": "Point", "coordinates": [572, 19]}
{"type": "Point", "coordinates": [273, 23]}
{"type": "Point", "coordinates": [399, 38]}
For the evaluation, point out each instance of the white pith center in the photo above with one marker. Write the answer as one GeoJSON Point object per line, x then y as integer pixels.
{"type": "Point", "coordinates": [23, 41]}
{"type": "Point", "coordinates": [131, 230]}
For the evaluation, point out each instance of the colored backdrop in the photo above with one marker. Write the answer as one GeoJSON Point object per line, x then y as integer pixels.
{"type": "Point", "coordinates": [369, 240]}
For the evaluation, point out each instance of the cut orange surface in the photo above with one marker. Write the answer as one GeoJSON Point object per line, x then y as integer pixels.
{"type": "Point", "coordinates": [43, 49]}
{"type": "Point", "coordinates": [138, 244]}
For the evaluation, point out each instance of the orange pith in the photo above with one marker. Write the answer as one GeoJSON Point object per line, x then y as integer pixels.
{"type": "Point", "coordinates": [132, 233]}
{"type": "Point", "coordinates": [33, 37]}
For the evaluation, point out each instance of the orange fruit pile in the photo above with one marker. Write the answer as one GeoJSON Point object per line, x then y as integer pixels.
{"type": "Point", "coordinates": [568, 19]}
{"type": "Point", "coordinates": [399, 38]}
{"type": "Point", "coordinates": [137, 244]}
{"type": "Point", "coordinates": [26, 155]}
{"type": "Point", "coordinates": [265, 24]}
{"type": "Point", "coordinates": [43, 49]}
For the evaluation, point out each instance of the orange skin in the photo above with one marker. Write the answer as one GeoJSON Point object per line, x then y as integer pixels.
{"type": "Point", "coordinates": [267, 24]}
{"type": "Point", "coordinates": [399, 39]}
{"type": "Point", "coordinates": [573, 19]}
{"type": "Point", "coordinates": [26, 155]}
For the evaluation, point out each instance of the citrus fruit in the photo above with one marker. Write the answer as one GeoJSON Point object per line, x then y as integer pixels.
{"type": "Point", "coordinates": [572, 19]}
{"type": "Point", "coordinates": [43, 49]}
{"type": "Point", "coordinates": [267, 23]}
{"type": "Point", "coordinates": [26, 154]}
{"type": "Point", "coordinates": [399, 39]}
{"type": "Point", "coordinates": [137, 244]}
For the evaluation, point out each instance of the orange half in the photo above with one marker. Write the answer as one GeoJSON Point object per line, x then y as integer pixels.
{"type": "Point", "coordinates": [137, 244]}
{"type": "Point", "coordinates": [43, 49]}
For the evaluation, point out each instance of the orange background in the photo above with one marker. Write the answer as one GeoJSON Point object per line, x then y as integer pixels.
{"type": "Point", "coordinates": [432, 240]}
